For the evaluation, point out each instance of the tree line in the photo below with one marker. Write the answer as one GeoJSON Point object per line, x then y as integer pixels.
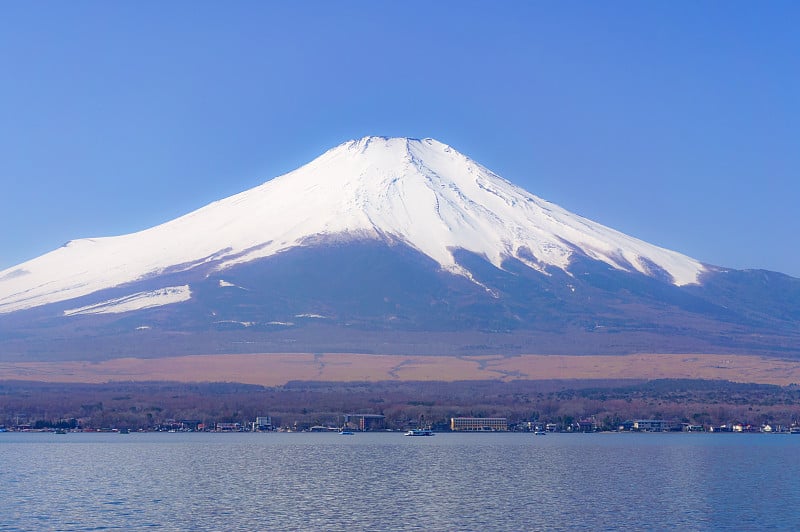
{"type": "Point", "coordinates": [404, 404]}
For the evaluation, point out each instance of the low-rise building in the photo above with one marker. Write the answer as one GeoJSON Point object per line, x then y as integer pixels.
{"type": "Point", "coordinates": [651, 425]}
{"type": "Point", "coordinates": [479, 424]}
{"type": "Point", "coordinates": [365, 422]}
{"type": "Point", "coordinates": [263, 423]}
{"type": "Point", "coordinates": [229, 427]}
{"type": "Point", "coordinates": [688, 427]}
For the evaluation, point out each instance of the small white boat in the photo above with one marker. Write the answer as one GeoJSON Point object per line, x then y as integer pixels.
{"type": "Point", "coordinates": [539, 433]}
{"type": "Point", "coordinates": [345, 432]}
{"type": "Point", "coordinates": [419, 432]}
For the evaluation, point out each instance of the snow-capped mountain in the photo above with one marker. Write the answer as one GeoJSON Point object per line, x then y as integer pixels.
{"type": "Point", "coordinates": [388, 234]}
{"type": "Point", "coordinates": [421, 193]}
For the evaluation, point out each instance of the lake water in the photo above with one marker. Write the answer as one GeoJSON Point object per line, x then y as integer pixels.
{"type": "Point", "coordinates": [385, 481]}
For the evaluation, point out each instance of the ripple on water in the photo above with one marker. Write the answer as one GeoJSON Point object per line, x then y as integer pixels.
{"type": "Point", "coordinates": [388, 482]}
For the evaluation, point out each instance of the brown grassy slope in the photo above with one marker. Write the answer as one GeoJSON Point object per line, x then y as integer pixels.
{"type": "Point", "coordinates": [278, 369]}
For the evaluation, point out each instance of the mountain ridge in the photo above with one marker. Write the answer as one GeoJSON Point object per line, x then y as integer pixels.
{"type": "Point", "coordinates": [391, 246]}
{"type": "Point", "coordinates": [420, 192]}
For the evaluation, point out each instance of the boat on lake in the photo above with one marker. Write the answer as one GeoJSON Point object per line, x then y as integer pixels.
{"type": "Point", "coordinates": [420, 432]}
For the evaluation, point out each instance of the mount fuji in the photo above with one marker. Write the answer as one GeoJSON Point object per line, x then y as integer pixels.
{"type": "Point", "coordinates": [386, 245]}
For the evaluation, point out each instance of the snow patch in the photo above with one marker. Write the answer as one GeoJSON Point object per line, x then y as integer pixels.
{"type": "Point", "coordinates": [137, 301]}
{"type": "Point", "coordinates": [226, 284]}
{"type": "Point", "coordinates": [234, 322]}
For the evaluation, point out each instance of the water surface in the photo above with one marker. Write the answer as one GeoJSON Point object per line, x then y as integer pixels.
{"type": "Point", "coordinates": [386, 481]}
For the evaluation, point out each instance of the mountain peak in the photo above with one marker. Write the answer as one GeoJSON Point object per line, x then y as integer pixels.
{"type": "Point", "coordinates": [420, 192]}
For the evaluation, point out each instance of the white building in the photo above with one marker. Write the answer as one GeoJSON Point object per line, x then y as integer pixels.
{"type": "Point", "coordinates": [263, 423]}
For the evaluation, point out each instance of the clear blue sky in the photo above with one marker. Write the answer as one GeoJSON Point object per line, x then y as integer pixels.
{"type": "Point", "coordinates": [675, 122]}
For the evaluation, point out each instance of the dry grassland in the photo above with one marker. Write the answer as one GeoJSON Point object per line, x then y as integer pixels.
{"type": "Point", "coordinates": [277, 369]}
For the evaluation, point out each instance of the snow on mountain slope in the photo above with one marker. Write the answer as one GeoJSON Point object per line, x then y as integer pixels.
{"type": "Point", "coordinates": [420, 192]}
{"type": "Point", "coordinates": [137, 301]}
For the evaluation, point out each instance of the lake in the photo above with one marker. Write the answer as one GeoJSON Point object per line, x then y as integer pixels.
{"type": "Point", "coordinates": [386, 481]}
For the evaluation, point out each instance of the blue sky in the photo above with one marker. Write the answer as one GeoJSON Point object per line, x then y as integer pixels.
{"type": "Point", "coordinates": [675, 122]}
